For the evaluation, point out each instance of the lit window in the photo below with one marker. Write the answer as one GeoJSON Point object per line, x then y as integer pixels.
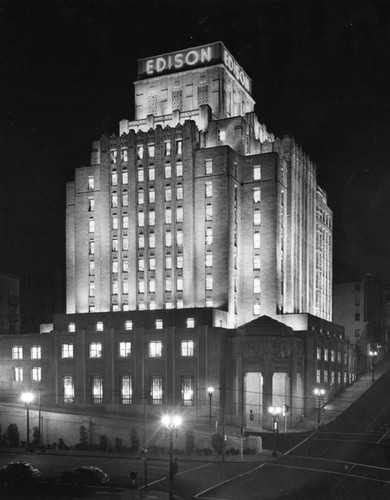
{"type": "Point", "coordinates": [91, 268]}
{"type": "Point", "coordinates": [256, 285]}
{"type": "Point", "coordinates": [91, 204]}
{"type": "Point", "coordinates": [209, 236]}
{"type": "Point", "coordinates": [36, 352]}
{"type": "Point", "coordinates": [168, 171]}
{"type": "Point", "coordinates": [91, 183]}
{"type": "Point", "coordinates": [169, 305]}
{"type": "Point", "coordinates": [114, 178]}
{"type": "Point", "coordinates": [91, 289]}
{"type": "Point", "coordinates": [256, 239]}
{"type": "Point", "coordinates": [125, 243]}
{"type": "Point", "coordinates": [179, 214]}
{"type": "Point", "coordinates": [152, 305]}
{"type": "Point", "coordinates": [97, 389]}
{"type": "Point", "coordinates": [115, 222]}
{"type": "Point", "coordinates": [332, 355]}
{"type": "Point", "coordinates": [179, 284]}
{"type": "Point", "coordinates": [152, 173]}
{"type": "Point", "coordinates": [256, 262]}
{"type": "Point", "coordinates": [115, 266]}
{"type": "Point", "coordinates": [152, 285]}
{"type": "Point", "coordinates": [152, 217]}
{"type": "Point", "coordinates": [326, 376]}
{"type": "Point", "coordinates": [256, 309]}
{"type": "Point", "coordinates": [115, 245]}
{"type": "Point", "coordinates": [141, 241]}
{"type": "Point", "coordinates": [18, 374]}
{"type": "Point", "coordinates": [141, 219]}
{"type": "Point", "coordinates": [141, 286]}
{"type": "Point", "coordinates": [152, 263]}
{"type": "Point", "coordinates": [191, 324]}
{"type": "Point", "coordinates": [125, 199]}
{"type": "Point", "coordinates": [168, 238]}
{"type": "Point", "coordinates": [209, 260]}
{"type": "Point", "coordinates": [257, 218]}
{"type": "Point", "coordinates": [126, 390]}
{"type": "Point", "coordinates": [318, 376]}
{"type": "Point", "coordinates": [179, 192]}
{"type": "Point", "coordinates": [221, 135]}
{"type": "Point", "coordinates": [125, 286]}
{"type": "Point", "coordinates": [125, 177]}
{"type": "Point", "coordinates": [68, 389]}
{"type": "Point", "coordinates": [256, 195]}
{"type": "Point", "coordinates": [179, 237]}
{"type": "Point", "coordinates": [209, 282]}
{"type": "Point", "coordinates": [124, 155]}
{"type": "Point", "coordinates": [208, 189]}
{"type": "Point", "coordinates": [91, 225]}
{"type": "Point", "coordinates": [179, 169]}
{"type": "Point", "coordinates": [187, 346]}
{"type": "Point", "coordinates": [128, 324]}
{"type": "Point", "coordinates": [72, 326]}
{"type": "Point", "coordinates": [91, 248]}
{"type": "Point", "coordinates": [168, 193]}
{"type": "Point", "coordinates": [99, 326]}
{"type": "Point", "coordinates": [140, 174]}
{"type": "Point", "coordinates": [168, 262]}
{"type": "Point", "coordinates": [152, 240]}
{"type": "Point", "coordinates": [318, 352]}
{"type": "Point", "coordinates": [256, 172]}
{"type": "Point", "coordinates": [209, 302]}
{"type": "Point", "coordinates": [155, 349]}
{"type": "Point", "coordinates": [113, 154]}
{"type": "Point", "coordinates": [124, 349]}
{"type": "Point", "coordinates": [115, 287]}
{"type": "Point", "coordinates": [209, 212]}
{"type": "Point", "coordinates": [156, 389]}
{"type": "Point", "coordinates": [141, 264]}
{"type": "Point", "coordinates": [140, 196]}
{"type": "Point", "coordinates": [36, 373]}
{"type": "Point", "coordinates": [187, 390]}
{"type": "Point", "coordinates": [167, 148]}
{"type": "Point", "coordinates": [179, 147]}
{"type": "Point", "coordinates": [125, 222]}
{"type": "Point", "coordinates": [17, 352]}
{"type": "Point", "coordinates": [152, 195]}
{"type": "Point", "coordinates": [326, 354]}
{"type": "Point", "coordinates": [67, 351]}
{"type": "Point", "coordinates": [95, 350]}
{"type": "Point", "coordinates": [168, 216]}
{"type": "Point", "coordinates": [168, 285]}
{"type": "Point", "coordinates": [140, 152]}
{"type": "Point", "coordinates": [209, 167]}
{"type": "Point", "coordinates": [179, 262]}
{"type": "Point", "coordinates": [151, 150]}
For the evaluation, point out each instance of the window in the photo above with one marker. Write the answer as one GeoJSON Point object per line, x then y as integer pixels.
{"type": "Point", "coordinates": [179, 192]}
{"type": "Point", "coordinates": [95, 350]}
{"type": "Point", "coordinates": [36, 374]}
{"type": "Point", "coordinates": [124, 155]}
{"type": "Point", "coordinates": [152, 173]}
{"type": "Point", "coordinates": [256, 173]}
{"type": "Point", "coordinates": [151, 150]}
{"type": "Point", "coordinates": [256, 309]}
{"type": "Point", "coordinates": [256, 195]}
{"type": "Point", "coordinates": [152, 240]}
{"type": "Point", "coordinates": [124, 349]}
{"type": "Point", "coordinates": [156, 389]}
{"type": "Point", "coordinates": [115, 266]}
{"type": "Point", "coordinates": [152, 195]}
{"type": "Point", "coordinates": [91, 204]}
{"type": "Point", "coordinates": [125, 287]}
{"type": "Point", "coordinates": [36, 352]}
{"type": "Point", "coordinates": [141, 219]}
{"type": "Point", "coordinates": [115, 222]}
{"type": "Point", "coordinates": [115, 287]}
{"type": "Point", "coordinates": [72, 326]}
{"type": "Point", "coordinates": [99, 326]}
{"type": "Point", "coordinates": [97, 389]}
{"type": "Point", "coordinates": [91, 248]}
{"type": "Point", "coordinates": [125, 243]}
{"type": "Point", "coordinates": [332, 355]}
{"type": "Point", "coordinates": [114, 178]}
{"type": "Point", "coordinates": [152, 305]}
{"type": "Point", "coordinates": [208, 167]}
{"type": "Point", "coordinates": [17, 352]}
{"type": "Point", "coordinates": [256, 285]}
{"type": "Point", "coordinates": [155, 348]}
{"type": "Point", "coordinates": [125, 222]}
{"type": "Point", "coordinates": [152, 285]}
{"type": "Point", "coordinates": [179, 147]}
{"type": "Point", "coordinates": [140, 174]}
{"type": "Point", "coordinates": [179, 214]}
{"type": "Point", "coordinates": [179, 169]}
{"type": "Point", "coordinates": [128, 324]}
{"type": "Point", "coordinates": [256, 239]}
{"type": "Point", "coordinates": [209, 302]}
{"type": "Point", "coordinates": [256, 262]}
{"type": "Point", "coordinates": [179, 262]}
{"type": "Point", "coordinates": [141, 198]}
{"type": "Point", "coordinates": [209, 260]}
{"type": "Point", "coordinates": [91, 183]}
{"type": "Point", "coordinates": [141, 241]}
{"type": "Point", "coordinates": [67, 351]}
{"type": "Point", "coordinates": [179, 284]}
{"type": "Point", "coordinates": [168, 171]}
{"type": "Point", "coordinates": [159, 324]}
{"type": "Point", "coordinates": [168, 193]}
{"type": "Point", "coordinates": [125, 199]}
{"type": "Point", "coordinates": [167, 148]}
{"type": "Point", "coordinates": [179, 237]}
{"type": "Point", "coordinates": [208, 189]}
{"type": "Point", "coordinates": [140, 152]}
{"type": "Point", "coordinates": [319, 353]}
{"type": "Point", "coordinates": [115, 245]}
{"type": "Point", "coordinates": [168, 262]}
{"type": "Point", "coordinates": [209, 236]}
{"type": "Point", "coordinates": [187, 390]}
{"type": "Point", "coordinates": [18, 374]}
{"type": "Point", "coordinates": [91, 273]}
{"type": "Point", "coordinates": [113, 155]}
{"type": "Point", "coordinates": [141, 286]}
{"type": "Point", "coordinates": [257, 218]}
{"type": "Point", "coordinates": [221, 135]}
{"type": "Point", "coordinates": [91, 291]}
{"type": "Point", "coordinates": [126, 390]}
{"type": "Point", "coordinates": [209, 212]}
{"type": "Point", "coordinates": [168, 238]}
{"type": "Point", "coordinates": [68, 389]}
{"type": "Point", "coordinates": [209, 282]}
{"type": "Point", "coordinates": [357, 317]}
{"type": "Point", "coordinates": [152, 217]}
{"type": "Point", "coordinates": [168, 305]}
{"type": "Point", "coordinates": [179, 304]}
{"type": "Point", "coordinates": [187, 346]}
{"type": "Point", "coordinates": [168, 285]}
{"type": "Point", "coordinates": [152, 263]}
{"type": "Point", "coordinates": [125, 177]}
{"type": "Point", "coordinates": [168, 216]}
{"type": "Point", "coordinates": [318, 376]}
{"type": "Point", "coordinates": [326, 354]}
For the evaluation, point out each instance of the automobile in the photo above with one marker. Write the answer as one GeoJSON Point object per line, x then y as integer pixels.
{"type": "Point", "coordinates": [19, 473]}
{"type": "Point", "coordinates": [86, 475]}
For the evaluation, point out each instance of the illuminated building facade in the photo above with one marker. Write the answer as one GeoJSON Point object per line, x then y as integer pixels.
{"type": "Point", "coordinates": [195, 204]}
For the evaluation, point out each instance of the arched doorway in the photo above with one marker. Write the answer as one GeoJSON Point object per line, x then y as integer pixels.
{"type": "Point", "coordinates": [253, 400]}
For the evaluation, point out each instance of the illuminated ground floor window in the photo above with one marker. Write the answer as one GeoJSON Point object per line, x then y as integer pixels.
{"type": "Point", "coordinates": [68, 389]}
{"type": "Point", "coordinates": [187, 390]}
{"type": "Point", "coordinates": [97, 389]}
{"type": "Point", "coordinates": [156, 389]}
{"type": "Point", "coordinates": [126, 390]}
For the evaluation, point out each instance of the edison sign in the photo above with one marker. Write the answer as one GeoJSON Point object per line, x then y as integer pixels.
{"type": "Point", "coordinates": [204, 55]}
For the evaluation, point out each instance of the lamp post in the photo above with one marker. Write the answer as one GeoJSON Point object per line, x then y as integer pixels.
{"type": "Point", "coordinates": [319, 393]}
{"type": "Point", "coordinates": [27, 398]}
{"type": "Point", "coordinates": [373, 355]}
{"type": "Point", "coordinates": [171, 424]}
{"type": "Point", "coordinates": [275, 411]}
{"type": "Point", "coordinates": [210, 391]}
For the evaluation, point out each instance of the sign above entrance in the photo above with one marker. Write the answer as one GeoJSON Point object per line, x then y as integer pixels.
{"type": "Point", "coordinates": [195, 57]}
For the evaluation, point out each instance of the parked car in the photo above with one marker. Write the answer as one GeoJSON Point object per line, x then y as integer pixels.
{"type": "Point", "coordinates": [87, 475]}
{"type": "Point", "coordinates": [19, 473]}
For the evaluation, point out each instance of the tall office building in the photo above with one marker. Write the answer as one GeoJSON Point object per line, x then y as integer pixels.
{"type": "Point", "coordinates": [195, 204]}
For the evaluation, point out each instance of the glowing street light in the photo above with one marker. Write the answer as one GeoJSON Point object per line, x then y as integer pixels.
{"type": "Point", "coordinates": [373, 355]}
{"type": "Point", "coordinates": [171, 424]}
{"type": "Point", "coordinates": [27, 398]}
{"type": "Point", "coordinates": [275, 411]}
{"type": "Point", "coordinates": [319, 393]}
{"type": "Point", "coordinates": [210, 391]}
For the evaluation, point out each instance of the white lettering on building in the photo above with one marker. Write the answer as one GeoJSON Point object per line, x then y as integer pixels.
{"type": "Point", "coordinates": [179, 60]}
{"type": "Point", "coordinates": [235, 68]}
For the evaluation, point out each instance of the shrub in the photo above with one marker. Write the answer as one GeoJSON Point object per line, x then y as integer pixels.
{"type": "Point", "coordinates": [217, 442]}
{"type": "Point", "coordinates": [12, 436]}
{"type": "Point", "coordinates": [83, 437]}
{"type": "Point", "coordinates": [190, 442]}
{"type": "Point", "coordinates": [62, 445]}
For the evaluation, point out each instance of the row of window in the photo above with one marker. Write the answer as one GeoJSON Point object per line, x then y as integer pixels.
{"type": "Point", "coordinates": [18, 374]}
{"type": "Point", "coordinates": [323, 353]}
{"type": "Point", "coordinates": [35, 352]}
{"type": "Point", "coordinates": [159, 325]}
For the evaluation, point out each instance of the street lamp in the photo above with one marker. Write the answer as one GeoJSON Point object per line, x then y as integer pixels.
{"type": "Point", "coordinates": [373, 355]}
{"type": "Point", "coordinates": [210, 391]}
{"type": "Point", "coordinates": [171, 424]}
{"type": "Point", "coordinates": [319, 393]}
{"type": "Point", "coordinates": [275, 411]}
{"type": "Point", "coordinates": [27, 398]}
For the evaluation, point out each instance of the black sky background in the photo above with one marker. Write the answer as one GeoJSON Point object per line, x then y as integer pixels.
{"type": "Point", "coordinates": [320, 72]}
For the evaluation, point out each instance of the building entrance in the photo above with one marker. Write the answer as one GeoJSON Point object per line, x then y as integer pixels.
{"type": "Point", "coordinates": [253, 400]}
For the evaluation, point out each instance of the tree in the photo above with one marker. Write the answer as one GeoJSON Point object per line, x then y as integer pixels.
{"type": "Point", "coordinates": [83, 437]}
{"type": "Point", "coordinates": [12, 435]}
{"type": "Point", "coordinates": [217, 442]}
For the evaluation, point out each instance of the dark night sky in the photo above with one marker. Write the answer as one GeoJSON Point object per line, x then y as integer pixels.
{"type": "Point", "coordinates": [320, 72]}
